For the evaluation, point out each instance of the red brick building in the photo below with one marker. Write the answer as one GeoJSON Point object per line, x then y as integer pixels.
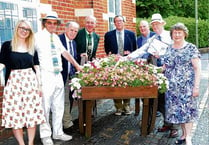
{"type": "Point", "coordinates": [103, 10]}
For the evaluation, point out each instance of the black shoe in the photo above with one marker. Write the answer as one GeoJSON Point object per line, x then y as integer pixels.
{"type": "Point", "coordinates": [180, 141]}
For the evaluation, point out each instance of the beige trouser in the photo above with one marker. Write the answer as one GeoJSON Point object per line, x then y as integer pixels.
{"type": "Point", "coordinates": [121, 103]}
{"type": "Point", "coordinates": [67, 118]}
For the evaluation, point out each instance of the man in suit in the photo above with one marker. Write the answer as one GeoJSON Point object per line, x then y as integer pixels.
{"type": "Point", "coordinates": [87, 40]}
{"type": "Point", "coordinates": [144, 29]}
{"type": "Point", "coordinates": [67, 39]}
{"type": "Point", "coordinates": [145, 35]}
{"type": "Point", "coordinates": [122, 42]}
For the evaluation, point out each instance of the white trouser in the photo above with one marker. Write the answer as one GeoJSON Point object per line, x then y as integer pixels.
{"type": "Point", "coordinates": [53, 100]}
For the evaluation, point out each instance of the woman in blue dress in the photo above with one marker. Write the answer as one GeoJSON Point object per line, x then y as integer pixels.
{"type": "Point", "coordinates": [182, 69]}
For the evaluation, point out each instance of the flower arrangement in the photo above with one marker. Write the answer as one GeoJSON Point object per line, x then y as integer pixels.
{"type": "Point", "coordinates": [112, 71]}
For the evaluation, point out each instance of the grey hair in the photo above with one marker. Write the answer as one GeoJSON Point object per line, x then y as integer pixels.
{"type": "Point", "coordinates": [72, 23]}
{"type": "Point", "coordinates": [179, 26]}
{"type": "Point", "coordinates": [91, 17]}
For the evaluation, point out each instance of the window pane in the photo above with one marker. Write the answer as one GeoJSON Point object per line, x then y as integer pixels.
{"type": "Point", "coordinates": [8, 19]}
{"type": "Point", "coordinates": [111, 23]}
{"type": "Point", "coordinates": [117, 7]}
{"type": "Point", "coordinates": [31, 15]}
{"type": "Point", "coordinates": [111, 6]}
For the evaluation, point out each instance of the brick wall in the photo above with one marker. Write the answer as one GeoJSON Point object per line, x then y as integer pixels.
{"type": "Point", "coordinates": [65, 10]}
{"type": "Point", "coordinates": [4, 133]}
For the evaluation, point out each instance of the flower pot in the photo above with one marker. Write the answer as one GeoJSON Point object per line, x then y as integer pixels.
{"type": "Point", "coordinates": [105, 92]}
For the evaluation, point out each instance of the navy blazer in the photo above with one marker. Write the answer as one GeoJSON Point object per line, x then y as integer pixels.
{"type": "Point", "coordinates": [64, 61]}
{"type": "Point", "coordinates": [111, 45]}
{"type": "Point", "coordinates": [139, 39]}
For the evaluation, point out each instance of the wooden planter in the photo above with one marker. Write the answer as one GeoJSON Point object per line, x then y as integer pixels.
{"type": "Point", "coordinates": [89, 94]}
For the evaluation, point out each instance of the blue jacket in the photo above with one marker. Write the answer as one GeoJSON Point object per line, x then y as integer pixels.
{"type": "Point", "coordinates": [111, 45]}
{"type": "Point", "coordinates": [139, 43]}
{"type": "Point", "coordinates": [139, 39]}
{"type": "Point", "coordinates": [64, 61]}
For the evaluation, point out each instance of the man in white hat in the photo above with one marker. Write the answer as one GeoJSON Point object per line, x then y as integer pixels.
{"type": "Point", "coordinates": [153, 43]}
{"type": "Point", "coordinates": [156, 46]}
{"type": "Point", "coordinates": [50, 49]}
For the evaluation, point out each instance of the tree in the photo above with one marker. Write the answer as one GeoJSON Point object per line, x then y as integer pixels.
{"type": "Point", "coordinates": [182, 8]}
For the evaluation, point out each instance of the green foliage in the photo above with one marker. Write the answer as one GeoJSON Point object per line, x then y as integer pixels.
{"type": "Point", "coordinates": [182, 8]}
{"type": "Point", "coordinates": [203, 27]}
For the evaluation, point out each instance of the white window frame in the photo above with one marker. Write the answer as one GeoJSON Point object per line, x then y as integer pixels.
{"type": "Point", "coordinates": [111, 15]}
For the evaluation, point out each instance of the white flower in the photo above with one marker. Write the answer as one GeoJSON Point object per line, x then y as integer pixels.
{"type": "Point", "coordinates": [75, 84]}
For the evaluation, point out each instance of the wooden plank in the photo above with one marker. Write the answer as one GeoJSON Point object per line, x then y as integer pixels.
{"type": "Point", "coordinates": [81, 116]}
{"type": "Point", "coordinates": [137, 106]}
{"type": "Point", "coordinates": [88, 119]}
{"type": "Point", "coordinates": [153, 117]}
{"type": "Point", "coordinates": [145, 116]}
{"type": "Point", "coordinates": [93, 93]}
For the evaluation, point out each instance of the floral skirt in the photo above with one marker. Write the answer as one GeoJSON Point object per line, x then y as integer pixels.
{"type": "Point", "coordinates": [22, 104]}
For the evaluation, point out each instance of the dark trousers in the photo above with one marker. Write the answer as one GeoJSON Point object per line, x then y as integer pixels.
{"type": "Point", "coordinates": [161, 108]}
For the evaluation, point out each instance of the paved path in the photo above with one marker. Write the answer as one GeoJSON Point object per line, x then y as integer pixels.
{"type": "Point", "coordinates": [109, 129]}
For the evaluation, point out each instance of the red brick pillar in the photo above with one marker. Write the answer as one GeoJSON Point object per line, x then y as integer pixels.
{"type": "Point", "coordinates": [4, 133]}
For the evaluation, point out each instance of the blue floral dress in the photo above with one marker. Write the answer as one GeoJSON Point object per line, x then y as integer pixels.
{"type": "Point", "coordinates": [180, 106]}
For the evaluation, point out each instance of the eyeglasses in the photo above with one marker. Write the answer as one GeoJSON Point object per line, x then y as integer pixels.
{"type": "Point", "coordinates": [24, 29]}
{"type": "Point", "coordinates": [51, 23]}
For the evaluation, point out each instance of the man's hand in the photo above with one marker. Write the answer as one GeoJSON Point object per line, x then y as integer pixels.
{"type": "Point", "coordinates": [84, 55]}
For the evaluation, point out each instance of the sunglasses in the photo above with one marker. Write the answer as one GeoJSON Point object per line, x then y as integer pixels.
{"type": "Point", "coordinates": [51, 23]}
{"type": "Point", "coordinates": [24, 29]}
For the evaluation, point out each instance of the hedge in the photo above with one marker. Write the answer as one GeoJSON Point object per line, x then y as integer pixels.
{"type": "Point", "coordinates": [190, 23]}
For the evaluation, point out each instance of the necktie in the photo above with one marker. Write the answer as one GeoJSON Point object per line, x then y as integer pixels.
{"type": "Point", "coordinates": [89, 47]}
{"type": "Point", "coordinates": [159, 37]}
{"type": "Point", "coordinates": [158, 61]}
{"type": "Point", "coordinates": [71, 71]}
{"type": "Point", "coordinates": [54, 56]}
{"type": "Point", "coordinates": [120, 43]}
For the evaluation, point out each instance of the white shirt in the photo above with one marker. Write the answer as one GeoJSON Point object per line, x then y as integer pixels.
{"type": "Point", "coordinates": [68, 49]}
{"type": "Point", "coordinates": [43, 47]}
{"type": "Point", "coordinates": [138, 53]}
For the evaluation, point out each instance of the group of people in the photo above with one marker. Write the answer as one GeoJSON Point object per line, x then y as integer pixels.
{"type": "Point", "coordinates": [38, 67]}
{"type": "Point", "coordinates": [181, 66]}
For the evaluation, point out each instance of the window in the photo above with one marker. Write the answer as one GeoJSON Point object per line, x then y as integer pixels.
{"type": "Point", "coordinates": [31, 15]}
{"type": "Point", "coordinates": [11, 12]}
{"type": "Point", "coordinates": [113, 10]}
{"type": "Point", "coordinates": [8, 19]}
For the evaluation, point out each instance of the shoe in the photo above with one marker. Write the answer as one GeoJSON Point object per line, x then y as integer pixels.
{"type": "Point", "coordinates": [164, 129]}
{"type": "Point", "coordinates": [118, 112]}
{"type": "Point", "coordinates": [173, 133]}
{"type": "Point", "coordinates": [63, 137]}
{"type": "Point", "coordinates": [127, 110]}
{"type": "Point", "coordinates": [69, 125]}
{"type": "Point", "coordinates": [158, 114]}
{"type": "Point", "coordinates": [180, 141]}
{"type": "Point", "coordinates": [47, 141]}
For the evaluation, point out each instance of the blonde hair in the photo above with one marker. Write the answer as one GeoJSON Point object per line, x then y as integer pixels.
{"type": "Point", "coordinates": [29, 40]}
